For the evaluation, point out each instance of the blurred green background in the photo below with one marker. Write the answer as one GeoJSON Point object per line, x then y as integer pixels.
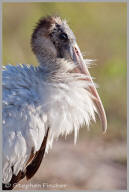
{"type": "Point", "coordinates": [100, 29]}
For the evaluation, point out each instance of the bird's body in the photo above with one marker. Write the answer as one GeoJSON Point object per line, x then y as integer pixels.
{"type": "Point", "coordinates": [40, 104]}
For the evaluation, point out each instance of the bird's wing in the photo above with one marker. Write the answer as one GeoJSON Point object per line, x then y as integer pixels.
{"type": "Point", "coordinates": [24, 126]}
{"type": "Point", "coordinates": [32, 166]}
{"type": "Point", "coordinates": [21, 139]}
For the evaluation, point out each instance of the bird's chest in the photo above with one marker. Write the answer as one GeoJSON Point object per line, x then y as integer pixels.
{"type": "Point", "coordinates": [65, 107]}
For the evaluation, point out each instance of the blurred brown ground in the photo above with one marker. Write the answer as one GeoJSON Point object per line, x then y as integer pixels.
{"type": "Point", "coordinates": [90, 164]}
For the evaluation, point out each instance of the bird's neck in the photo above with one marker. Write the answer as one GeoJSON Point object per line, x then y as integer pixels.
{"type": "Point", "coordinates": [55, 69]}
{"type": "Point", "coordinates": [47, 62]}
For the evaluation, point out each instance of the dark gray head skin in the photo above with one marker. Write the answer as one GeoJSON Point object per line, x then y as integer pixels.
{"type": "Point", "coordinates": [62, 37]}
{"type": "Point", "coordinates": [52, 41]}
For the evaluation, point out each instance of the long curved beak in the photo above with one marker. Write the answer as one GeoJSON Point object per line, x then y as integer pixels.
{"type": "Point", "coordinates": [82, 68]}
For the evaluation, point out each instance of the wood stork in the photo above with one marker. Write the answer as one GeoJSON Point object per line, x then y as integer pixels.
{"type": "Point", "coordinates": [41, 103]}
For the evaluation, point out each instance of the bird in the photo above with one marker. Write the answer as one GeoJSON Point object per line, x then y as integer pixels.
{"type": "Point", "coordinates": [41, 103]}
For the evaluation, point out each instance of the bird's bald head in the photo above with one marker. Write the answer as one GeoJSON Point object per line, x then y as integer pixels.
{"type": "Point", "coordinates": [52, 38]}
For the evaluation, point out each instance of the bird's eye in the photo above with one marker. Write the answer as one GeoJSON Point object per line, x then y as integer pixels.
{"type": "Point", "coordinates": [63, 36]}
